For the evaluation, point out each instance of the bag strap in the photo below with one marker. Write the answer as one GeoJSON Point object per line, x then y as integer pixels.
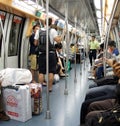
{"type": "Point", "coordinates": [112, 111]}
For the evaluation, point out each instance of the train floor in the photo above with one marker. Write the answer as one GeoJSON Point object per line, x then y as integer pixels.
{"type": "Point", "coordinates": [64, 109]}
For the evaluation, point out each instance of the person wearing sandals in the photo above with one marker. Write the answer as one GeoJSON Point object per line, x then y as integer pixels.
{"type": "Point", "coordinates": [53, 37]}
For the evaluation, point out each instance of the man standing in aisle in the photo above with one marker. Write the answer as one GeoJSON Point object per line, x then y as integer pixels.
{"type": "Point", "coordinates": [52, 37]}
{"type": "Point", "coordinates": [93, 47]}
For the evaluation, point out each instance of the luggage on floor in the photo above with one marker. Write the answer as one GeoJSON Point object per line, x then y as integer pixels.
{"type": "Point", "coordinates": [13, 76]}
{"type": "Point", "coordinates": [17, 101]}
{"type": "Point", "coordinates": [36, 96]}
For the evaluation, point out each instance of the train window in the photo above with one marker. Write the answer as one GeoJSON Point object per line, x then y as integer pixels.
{"type": "Point", "coordinates": [14, 36]}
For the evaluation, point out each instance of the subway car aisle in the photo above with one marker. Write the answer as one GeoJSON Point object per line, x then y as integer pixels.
{"type": "Point", "coordinates": [64, 109]}
{"type": "Point", "coordinates": [81, 26]}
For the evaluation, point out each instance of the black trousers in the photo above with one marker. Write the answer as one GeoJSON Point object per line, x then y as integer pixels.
{"type": "Point", "coordinates": [92, 55]}
{"type": "Point", "coordinates": [96, 94]}
{"type": "Point", "coordinates": [1, 102]}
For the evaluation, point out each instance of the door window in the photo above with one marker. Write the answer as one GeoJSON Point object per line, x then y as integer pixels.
{"type": "Point", "coordinates": [14, 36]}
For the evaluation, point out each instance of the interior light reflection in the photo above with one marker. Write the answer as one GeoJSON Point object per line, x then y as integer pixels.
{"type": "Point", "coordinates": [97, 4]}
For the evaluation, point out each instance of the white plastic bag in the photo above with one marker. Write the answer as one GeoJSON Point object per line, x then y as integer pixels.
{"type": "Point", "coordinates": [13, 76]}
{"type": "Point", "coordinates": [18, 103]}
{"type": "Point", "coordinates": [56, 78]}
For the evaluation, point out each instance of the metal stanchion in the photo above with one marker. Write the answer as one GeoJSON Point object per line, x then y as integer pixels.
{"type": "Point", "coordinates": [75, 79]}
{"type": "Point", "coordinates": [80, 64]}
{"type": "Point", "coordinates": [4, 45]}
{"type": "Point", "coordinates": [85, 52]}
{"type": "Point", "coordinates": [48, 114]}
{"type": "Point", "coordinates": [84, 60]}
{"type": "Point", "coordinates": [67, 41]}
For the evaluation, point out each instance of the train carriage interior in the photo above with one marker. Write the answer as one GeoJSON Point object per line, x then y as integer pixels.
{"type": "Point", "coordinates": [79, 21]}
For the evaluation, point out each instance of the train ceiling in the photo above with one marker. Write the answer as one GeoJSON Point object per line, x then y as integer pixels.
{"type": "Point", "coordinates": [82, 10]}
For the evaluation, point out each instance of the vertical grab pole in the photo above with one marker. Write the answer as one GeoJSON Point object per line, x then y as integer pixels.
{"type": "Point", "coordinates": [117, 41]}
{"type": "Point", "coordinates": [67, 41]}
{"type": "Point", "coordinates": [5, 56]}
{"type": "Point", "coordinates": [85, 51]}
{"type": "Point", "coordinates": [75, 79]}
{"type": "Point", "coordinates": [48, 115]}
{"type": "Point", "coordinates": [80, 62]}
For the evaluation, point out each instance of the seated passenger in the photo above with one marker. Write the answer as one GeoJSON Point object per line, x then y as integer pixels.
{"type": "Point", "coordinates": [3, 116]}
{"type": "Point", "coordinates": [98, 62]}
{"type": "Point", "coordinates": [102, 92]}
{"type": "Point", "coordinates": [112, 50]}
{"type": "Point", "coordinates": [97, 107]}
{"type": "Point", "coordinates": [105, 89]}
{"type": "Point", "coordinates": [60, 68]}
{"type": "Point", "coordinates": [98, 71]}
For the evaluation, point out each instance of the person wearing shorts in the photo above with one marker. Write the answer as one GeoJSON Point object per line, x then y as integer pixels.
{"type": "Point", "coordinates": [32, 54]}
{"type": "Point", "coordinates": [54, 37]}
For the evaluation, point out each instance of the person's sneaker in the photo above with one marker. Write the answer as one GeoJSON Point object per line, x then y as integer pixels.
{"type": "Point", "coordinates": [4, 117]}
{"type": "Point", "coordinates": [90, 69]}
{"type": "Point", "coordinates": [63, 75]}
{"type": "Point", "coordinates": [44, 84]}
{"type": "Point", "coordinates": [91, 78]}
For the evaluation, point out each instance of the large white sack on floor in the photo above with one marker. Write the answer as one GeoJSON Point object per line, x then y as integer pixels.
{"type": "Point", "coordinates": [17, 101]}
{"type": "Point", "coordinates": [13, 76]}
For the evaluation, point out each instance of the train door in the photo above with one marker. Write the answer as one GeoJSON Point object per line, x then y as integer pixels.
{"type": "Point", "coordinates": [13, 40]}
{"type": "Point", "coordinates": [11, 28]}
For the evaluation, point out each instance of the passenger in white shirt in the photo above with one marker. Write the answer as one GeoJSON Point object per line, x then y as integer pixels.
{"type": "Point", "coordinates": [52, 56]}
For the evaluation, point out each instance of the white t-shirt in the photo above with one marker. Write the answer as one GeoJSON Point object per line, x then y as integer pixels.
{"type": "Point", "coordinates": [53, 34]}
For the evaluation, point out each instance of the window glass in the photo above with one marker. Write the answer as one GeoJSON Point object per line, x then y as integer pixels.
{"type": "Point", "coordinates": [14, 36]}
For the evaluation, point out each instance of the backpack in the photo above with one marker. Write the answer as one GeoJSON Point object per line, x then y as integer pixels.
{"type": "Point", "coordinates": [42, 42]}
{"type": "Point", "coordinates": [107, 118]}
